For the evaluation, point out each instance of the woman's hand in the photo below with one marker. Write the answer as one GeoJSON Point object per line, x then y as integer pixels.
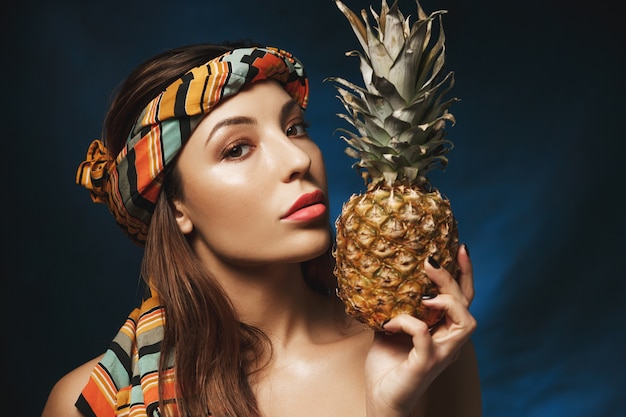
{"type": "Point", "coordinates": [408, 356]}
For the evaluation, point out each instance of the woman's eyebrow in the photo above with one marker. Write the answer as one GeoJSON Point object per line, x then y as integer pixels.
{"type": "Point", "coordinates": [230, 121]}
{"type": "Point", "coordinates": [288, 109]}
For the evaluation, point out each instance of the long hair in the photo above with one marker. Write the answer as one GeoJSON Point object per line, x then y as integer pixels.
{"type": "Point", "coordinates": [214, 353]}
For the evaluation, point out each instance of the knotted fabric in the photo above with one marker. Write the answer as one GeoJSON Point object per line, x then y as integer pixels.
{"type": "Point", "coordinates": [131, 183]}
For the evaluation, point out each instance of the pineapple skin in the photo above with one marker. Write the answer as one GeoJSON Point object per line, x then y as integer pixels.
{"type": "Point", "coordinates": [384, 236]}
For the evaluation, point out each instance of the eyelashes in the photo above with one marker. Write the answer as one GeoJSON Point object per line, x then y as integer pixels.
{"type": "Point", "coordinates": [297, 129]}
{"type": "Point", "coordinates": [237, 150]}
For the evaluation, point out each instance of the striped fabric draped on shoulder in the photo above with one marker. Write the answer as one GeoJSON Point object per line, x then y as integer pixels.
{"type": "Point", "coordinates": [126, 380]}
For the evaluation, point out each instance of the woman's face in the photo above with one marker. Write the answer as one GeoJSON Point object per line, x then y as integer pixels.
{"type": "Point", "coordinates": [253, 183]}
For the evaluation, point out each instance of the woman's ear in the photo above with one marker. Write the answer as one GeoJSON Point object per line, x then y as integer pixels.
{"type": "Point", "coordinates": [180, 214]}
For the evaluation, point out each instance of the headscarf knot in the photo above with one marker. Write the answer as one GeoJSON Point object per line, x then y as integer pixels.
{"type": "Point", "coordinates": [93, 172]}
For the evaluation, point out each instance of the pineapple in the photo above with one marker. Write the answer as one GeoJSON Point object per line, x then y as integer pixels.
{"type": "Point", "coordinates": [385, 234]}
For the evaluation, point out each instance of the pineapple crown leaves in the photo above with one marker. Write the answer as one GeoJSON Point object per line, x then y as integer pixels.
{"type": "Point", "coordinates": [400, 114]}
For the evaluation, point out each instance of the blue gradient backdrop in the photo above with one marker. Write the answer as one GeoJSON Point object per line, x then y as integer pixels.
{"type": "Point", "coordinates": [535, 179]}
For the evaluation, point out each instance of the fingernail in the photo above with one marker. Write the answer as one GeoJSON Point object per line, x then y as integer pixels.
{"type": "Point", "coordinates": [387, 332]}
{"type": "Point", "coordinates": [428, 296]}
{"type": "Point", "coordinates": [466, 249]}
{"type": "Point", "coordinates": [433, 262]}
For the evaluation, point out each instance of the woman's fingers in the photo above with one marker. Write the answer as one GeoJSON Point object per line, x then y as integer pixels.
{"type": "Point", "coordinates": [459, 322]}
{"type": "Point", "coordinates": [403, 323]}
{"type": "Point", "coordinates": [444, 281]}
{"type": "Point", "coordinates": [438, 347]}
{"type": "Point", "coordinates": [466, 273]}
{"type": "Point", "coordinates": [454, 300]}
{"type": "Point", "coordinates": [461, 287]}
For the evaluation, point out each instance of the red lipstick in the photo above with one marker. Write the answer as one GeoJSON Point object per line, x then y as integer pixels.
{"type": "Point", "coordinates": [307, 207]}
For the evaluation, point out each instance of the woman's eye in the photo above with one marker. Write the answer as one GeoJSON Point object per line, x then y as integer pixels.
{"type": "Point", "coordinates": [297, 129]}
{"type": "Point", "coordinates": [236, 151]}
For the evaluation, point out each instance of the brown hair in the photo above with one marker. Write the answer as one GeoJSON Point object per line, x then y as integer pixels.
{"type": "Point", "coordinates": [213, 352]}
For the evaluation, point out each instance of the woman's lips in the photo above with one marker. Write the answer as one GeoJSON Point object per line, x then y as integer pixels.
{"type": "Point", "coordinates": [307, 207]}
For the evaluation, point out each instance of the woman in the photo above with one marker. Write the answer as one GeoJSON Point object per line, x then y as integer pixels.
{"type": "Point", "coordinates": [220, 181]}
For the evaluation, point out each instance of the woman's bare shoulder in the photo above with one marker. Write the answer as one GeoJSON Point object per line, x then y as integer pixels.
{"type": "Point", "coordinates": [66, 391]}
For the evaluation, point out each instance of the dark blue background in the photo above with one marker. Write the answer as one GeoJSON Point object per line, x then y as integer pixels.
{"type": "Point", "coordinates": [535, 179]}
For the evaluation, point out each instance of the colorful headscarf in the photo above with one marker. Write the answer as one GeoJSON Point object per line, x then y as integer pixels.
{"type": "Point", "coordinates": [131, 183]}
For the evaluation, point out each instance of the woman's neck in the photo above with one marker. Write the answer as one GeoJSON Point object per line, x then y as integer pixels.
{"type": "Point", "coordinates": [275, 299]}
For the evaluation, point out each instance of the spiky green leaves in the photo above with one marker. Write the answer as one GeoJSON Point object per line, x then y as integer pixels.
{"type": "Point", "coordinates": [401, 112]}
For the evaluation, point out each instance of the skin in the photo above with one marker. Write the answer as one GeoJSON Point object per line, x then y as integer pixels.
{"type": "Point", "coordinates": [259, 160]}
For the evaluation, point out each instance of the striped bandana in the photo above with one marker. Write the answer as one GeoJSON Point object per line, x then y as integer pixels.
{"type": "Point", "coordinates": [130, 184]}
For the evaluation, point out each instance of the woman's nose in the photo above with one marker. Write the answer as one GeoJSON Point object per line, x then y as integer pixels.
{"type": "Point", "coordinates": [292, 161]}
